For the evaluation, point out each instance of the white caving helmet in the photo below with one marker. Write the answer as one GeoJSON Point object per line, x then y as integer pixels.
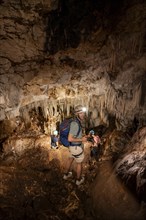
{"type": "Point", "coordinates": [79, 109]}
{"type": "Point", "coordinates": [92, 132]}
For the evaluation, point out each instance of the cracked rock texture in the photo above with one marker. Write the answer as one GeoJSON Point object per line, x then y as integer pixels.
{"type": "Point", "coordinates": [59, 53]}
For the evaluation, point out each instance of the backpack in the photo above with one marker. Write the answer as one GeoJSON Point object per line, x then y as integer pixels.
{"type": "Point", "coordinates": [64, 131]}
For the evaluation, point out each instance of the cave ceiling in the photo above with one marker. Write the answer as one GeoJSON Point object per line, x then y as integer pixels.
{"type": "Point", "coordinates": [62, 53]}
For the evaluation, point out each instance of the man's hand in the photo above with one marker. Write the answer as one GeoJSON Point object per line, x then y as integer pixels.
{"type": "Point", "coordinates": [84, 139]}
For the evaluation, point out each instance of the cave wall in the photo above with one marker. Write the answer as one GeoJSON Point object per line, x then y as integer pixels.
{"type": "Point", "coordinates": [56, 54]}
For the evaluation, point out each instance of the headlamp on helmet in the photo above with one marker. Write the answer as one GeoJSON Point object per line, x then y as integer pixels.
{"type": "Point", "coordinates": [79, 109]}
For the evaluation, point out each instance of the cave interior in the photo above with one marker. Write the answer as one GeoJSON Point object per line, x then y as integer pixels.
{"type": "Point", "coordinates": [56, 54]}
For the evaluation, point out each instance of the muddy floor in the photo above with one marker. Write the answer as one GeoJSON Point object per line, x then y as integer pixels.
{"type": "Point", "coordinates": [40, 193]}
{"type": "Point", "coordinates": [32, 185]}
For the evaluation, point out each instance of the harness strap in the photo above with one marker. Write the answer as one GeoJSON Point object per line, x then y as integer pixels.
{"type": "Point", "coordinates": [77, 155]}
{"type": "Point", "coordinates": [73, 144]}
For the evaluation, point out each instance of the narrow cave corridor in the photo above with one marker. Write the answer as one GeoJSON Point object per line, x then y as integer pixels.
{"type": "Point", "coordinates": [56, 54]}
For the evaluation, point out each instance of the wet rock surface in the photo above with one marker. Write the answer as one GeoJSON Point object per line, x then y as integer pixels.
{"type": "Point", "coordinates": [131, 167]}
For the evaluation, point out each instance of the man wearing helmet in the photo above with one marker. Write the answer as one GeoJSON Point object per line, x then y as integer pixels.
{"type": "Point", "coordinates": [76, 148]}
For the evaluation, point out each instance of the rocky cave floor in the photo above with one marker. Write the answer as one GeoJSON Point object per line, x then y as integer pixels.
{"type": "Point", "coordinates": [32, 185]}
{"type": "Point", "coordinates": [39, 192]}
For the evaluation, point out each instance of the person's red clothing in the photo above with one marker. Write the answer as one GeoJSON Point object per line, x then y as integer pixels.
{"type": "Point", "coordinates": [96, 139]}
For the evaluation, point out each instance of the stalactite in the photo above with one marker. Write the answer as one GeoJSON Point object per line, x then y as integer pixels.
{"type": "Point", "coordinates": [120, 102]}
{"type": "Point", "coordinates": [45, 108]}
{"type": "Point", "coordinates": [102, 103]}
{"type": "Point", "coordinates": [50, 109]}
{"type": "Point", "coordinates": [68, 109]}
{"type": "Point", "coordinates": [25, 115]}
{"type": "Point", "coordinates": [137, 96]}
{"type": "Point", "coordinates": [110, 99]}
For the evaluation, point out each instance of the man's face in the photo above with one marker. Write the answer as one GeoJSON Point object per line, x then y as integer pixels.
{"type": "Point", "coordinates": [81, 115]}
